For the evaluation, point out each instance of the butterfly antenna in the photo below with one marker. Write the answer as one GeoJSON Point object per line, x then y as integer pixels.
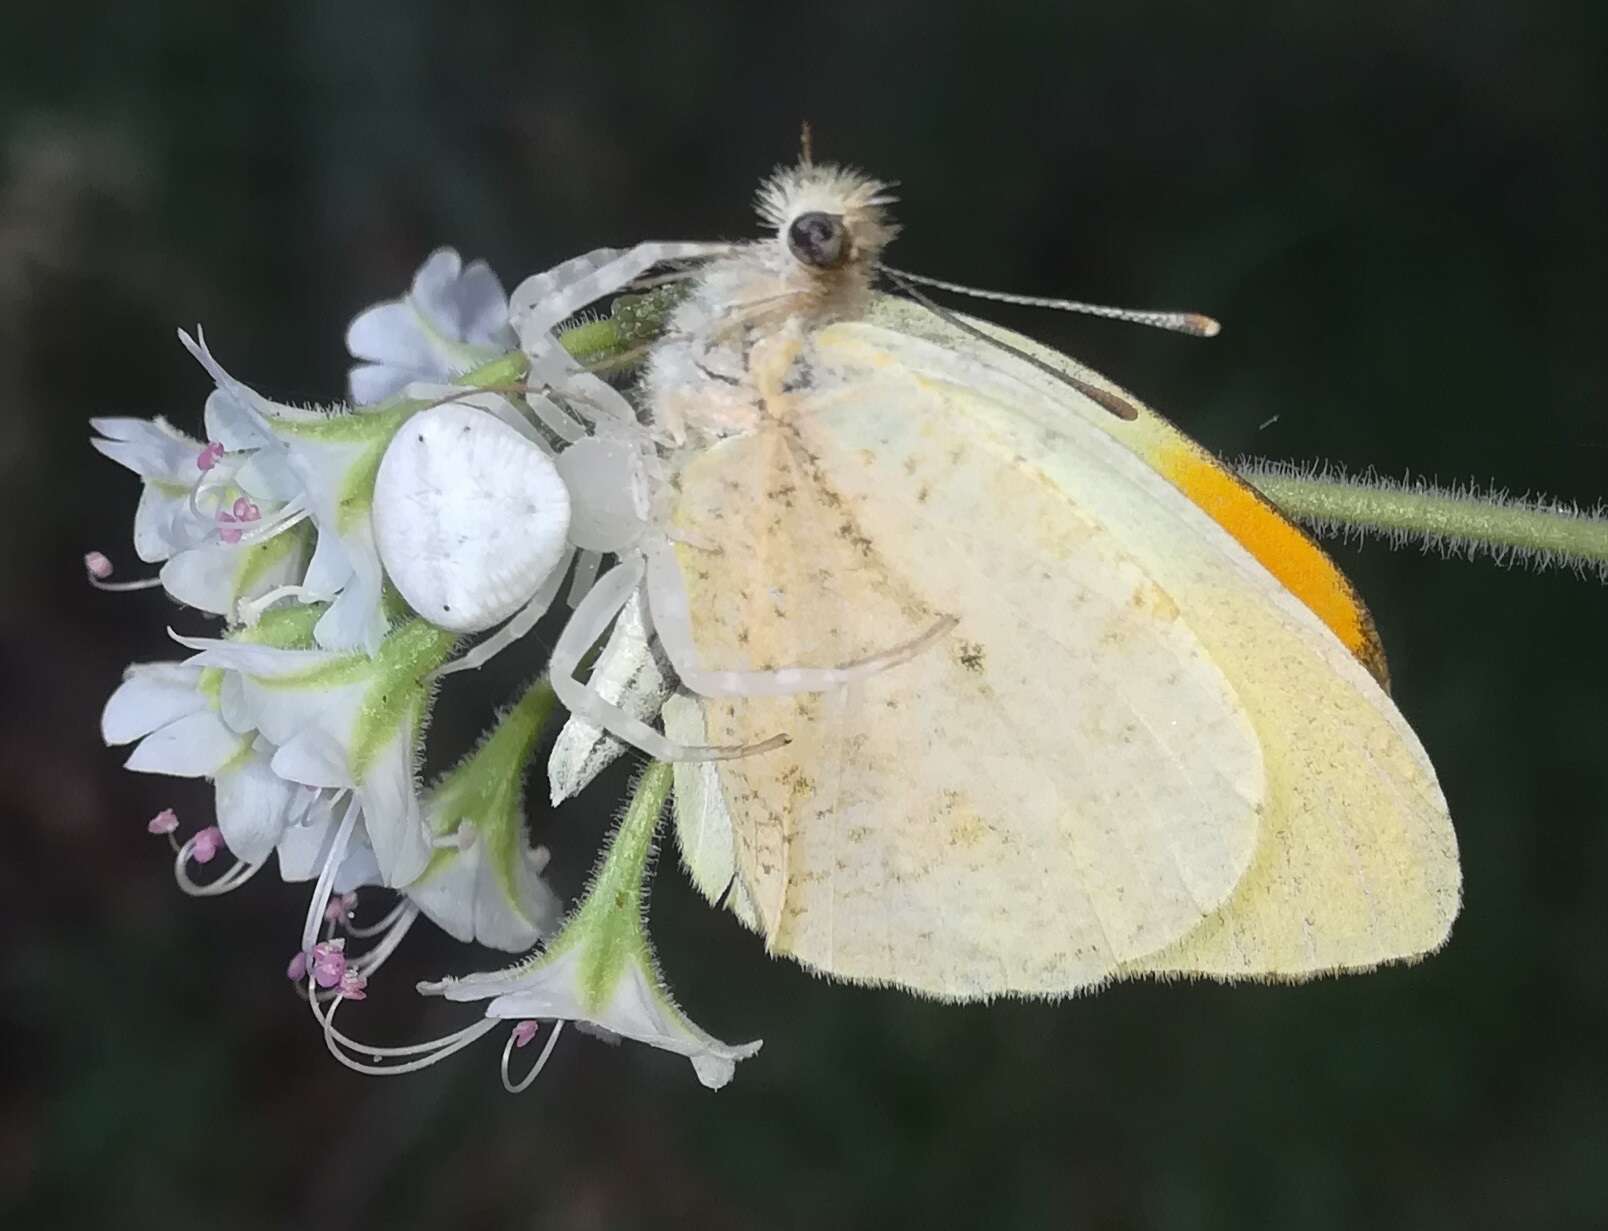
{"type": "Point", "coordinates": [1178, 322]}
{"type": "Point", "coordinates": [1113, 402]}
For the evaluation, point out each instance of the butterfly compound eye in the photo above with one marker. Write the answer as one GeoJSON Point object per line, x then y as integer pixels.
{"type": "Point", "coordinates": [818, 240]}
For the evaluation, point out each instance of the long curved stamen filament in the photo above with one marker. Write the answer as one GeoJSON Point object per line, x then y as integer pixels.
{"type": "Point", "coordinates": [326, 875]}
{"type": "Point", "coordinates": [524, 1083]}
{"type": "Point", "coordinates": [123, 587]}
{"type": "Point", "coordinates": [238, 874]}
{"type": "Point", "coordinates": [292, 514]}
{"type": "Point", "coordinates": [372, 959]}
{"type": "Point", "coordinates": [250, 611]}
{"type": "Point", "coordinates": [374, 929]}
{"type": "Point", "coordinates": [97, 568]}
{"type": "Point", "coordinates": [427, 1054]}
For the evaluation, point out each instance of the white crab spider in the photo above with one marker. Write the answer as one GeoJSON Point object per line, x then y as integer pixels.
{"type": "Point", "coordinates": [474, 520]}
{"type": "Point", "coordinates": [615, 481]}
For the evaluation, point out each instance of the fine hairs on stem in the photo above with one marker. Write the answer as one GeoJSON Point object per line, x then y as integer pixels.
{"type": "Point", "coordinates": [1460, 521]}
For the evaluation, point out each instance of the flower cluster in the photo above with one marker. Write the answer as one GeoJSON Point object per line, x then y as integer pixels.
{"type": "Point", "coordinates": [329, 541]}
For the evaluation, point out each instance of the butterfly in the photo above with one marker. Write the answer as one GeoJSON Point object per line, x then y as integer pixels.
{"type": "Point", "coordinates": [984, 678]}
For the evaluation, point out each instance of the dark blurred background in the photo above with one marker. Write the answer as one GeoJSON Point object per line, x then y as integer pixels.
{"type": "Point", "coordinates": [1398, 211]}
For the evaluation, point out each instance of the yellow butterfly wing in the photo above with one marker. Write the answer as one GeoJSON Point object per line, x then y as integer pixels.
{"type": "Point", "coordinates": [1138, 752]}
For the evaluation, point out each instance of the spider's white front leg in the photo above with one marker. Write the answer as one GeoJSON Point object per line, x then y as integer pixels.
{"type": "Point", "coordinates": [672, 622]}
{"type": "Point", "coordinates": [543, 300]}
{"type": "Point", "coordinates": [585, 628]}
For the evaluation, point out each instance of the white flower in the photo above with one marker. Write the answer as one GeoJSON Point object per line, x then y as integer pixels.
{"type": "Point", "coordinates": [190, 722]}
{"type": "Point", "coordinates": [483, 883]}
{"type": "Point", "coordinates": [170, 464]}
{"type": "Point", "coordinates": [600, 971]}
{"type": "Point", "coordinates": [332, 458]}
{"type": "Point", "coordinates": [454, 318]}
{"type": "Point", "coordinates": [346, 721]}
{"type": "Point", "coordinates": [205, 512]}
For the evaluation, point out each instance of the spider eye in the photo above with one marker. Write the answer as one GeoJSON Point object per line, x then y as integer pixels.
{"type": "Point", "coordinates": [818, 239]}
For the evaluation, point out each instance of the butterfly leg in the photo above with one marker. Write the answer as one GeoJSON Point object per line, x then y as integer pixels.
{"type": "Point", "coordinates": [672, 622]}
{"type": "Point", "coordinates": [586, 627]}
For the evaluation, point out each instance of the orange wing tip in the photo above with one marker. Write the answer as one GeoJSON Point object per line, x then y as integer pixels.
{"type": "Point", "coordinates": [1280, 547]}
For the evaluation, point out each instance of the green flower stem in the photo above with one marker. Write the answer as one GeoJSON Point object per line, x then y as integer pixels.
{"type": "Point", "coordinates": [609, 921]}
{"type": "Point", "coordinates": [486, 789]}
{"type": "Point", "coordinates": [1538, 532]}
{"type": "Point", "coordinates": [634, 321]}
{"type": "Point", "coordinates": [506, 369]}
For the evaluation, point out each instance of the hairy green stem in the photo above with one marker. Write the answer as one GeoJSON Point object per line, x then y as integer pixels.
{"type": "Point", "coordinates": [1457, 521]}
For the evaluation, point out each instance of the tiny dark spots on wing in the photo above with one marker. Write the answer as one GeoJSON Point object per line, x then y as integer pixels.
{"type": "Point", "coordinates": [923, 494]}
{"type": "Point", "coordinates": [971, 656]}
{"type": "Point", "coordinates": [850, 533]}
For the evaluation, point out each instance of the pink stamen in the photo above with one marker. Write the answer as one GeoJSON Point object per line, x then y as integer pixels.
{"type": "Point", "coordinates": [244, 510]}
{"type": "Point", "coordinates": [329, 962]}
{"type": "Point", "coordinates": [97, 565]}
{"type": "Point", "coordinates": [297, 970]}
{"type": "Point", "coordinates": [164, 822]}
{"type": "Point", "coordinates": [524, 1032]}
{"type": "Point", "coordinates": [209, 456]}
{"type": "Point", "coordinates": [340, 908]}
{"type": "Point", "coordinates": [353, 981]}
{"type": "Point", "coordinates": [207, 844]}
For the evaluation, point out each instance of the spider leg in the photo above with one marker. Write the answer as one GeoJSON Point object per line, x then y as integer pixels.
{"type": "Point", "coordinates": [672, 622]}
{"type": "Point", "coordinates": [543, 300]}
{"type": "Point", "coordinates": [586, 627]}
{"type": "Point", "coordinates": [517, 625]}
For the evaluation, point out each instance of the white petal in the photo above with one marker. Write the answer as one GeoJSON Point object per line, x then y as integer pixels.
{"type": "Point", "coordinates": [305, 846]}
{"type": "Point", "coordinates": [232, 706]}
{"type": "Point", "coordinates": [151, 696]}
{"type": "Point", "coordinates": [203, 578]}
{"type": "Point", "coordinates": [482, 308]}
{"type": "Point", "coordinates": [151, 448]}
{"type": "Point", "coordinates": [164, 524]}
{"type": "Point", "coordinates": [464, 896]}
{"type": "Point", "coordinates": [514, 925]}
{"type": "Point", "coordinates": [388, 333]}
{"type": "Point", "coordinates": [231, 425]}
{"type": "Point", "coordinates": [635, 1010]}
{"type": "Point", "coordinates": [391, 812]}
{"type": "Point", "coordinates": [253, 805]}
{"type": "Point", "coordinates": [355, 620]}
{"type": "Point", "coordinates": [329, 569]}
{"type": "Point", "coordinates": [247, 401]}
{"type": "Point", "coordinates": [435, 286]}
{"type": "Point", "coordinates": [193, 747]}
{"type": "Point", "coordinates": [266, 476]}
{"type": "Point", "coordinates": [252, 658]}
{"type": "Point", "coordinates": [313, 759]}
{"type": "Point", "coordinates": [374, 382]}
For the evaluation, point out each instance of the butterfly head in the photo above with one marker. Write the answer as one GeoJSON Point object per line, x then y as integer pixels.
{"type": "Point", "coordinates": [831, 223]}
